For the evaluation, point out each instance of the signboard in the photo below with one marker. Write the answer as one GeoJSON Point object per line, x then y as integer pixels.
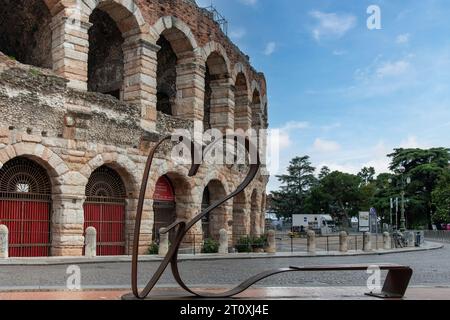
{"type": "Point", "coordinates": [373, 221]}
{"type": "Point", "coordinates": [164, 191]}
{"type": "Point", "coordinates": [364, 221]}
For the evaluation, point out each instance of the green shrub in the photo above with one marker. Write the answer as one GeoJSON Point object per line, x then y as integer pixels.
{"type": "Point", "coordinates": [153, 249]}
{"type": "Point", "coordinates": [244, 245]}
{"type": "Point", "coordinates": [259, 242]}
{"type": "Point", "coordinates": [210, 246]}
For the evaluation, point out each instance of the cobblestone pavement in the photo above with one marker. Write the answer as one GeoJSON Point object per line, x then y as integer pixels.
{"type": "Point", "coordinates": [431, 268]}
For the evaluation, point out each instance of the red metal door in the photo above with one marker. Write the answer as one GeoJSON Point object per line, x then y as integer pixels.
{"type": "Point", "coordinates": [25, 206]}
{"type": "Point", "coordinates": [109, 221]}
{"type": "Point", "coordinates": [104, 210]}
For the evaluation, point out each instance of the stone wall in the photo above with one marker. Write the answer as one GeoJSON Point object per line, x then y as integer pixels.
{"type": "Point", "coordinates": [49, 116]}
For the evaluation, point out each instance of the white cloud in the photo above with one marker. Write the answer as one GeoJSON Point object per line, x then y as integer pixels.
{"type": "Point", "coordinates": [392, 69]}
{"type": "Point", "coordinates": [249, 2]}
{"type": "Point", "coordinates": [270, 48]}
{"type": "Point", "coordinates": [237, 33]}
{"type": "Point", "coordinates": [403, 38]}
{"type": "Point", "coordinates": [339, 52]}
{"type": "Point", "coordinates": [321, 145]}
{"type": "Point", "coordinates": [331, 25]}
{"type": "Point", "coordinates": [295, 125]}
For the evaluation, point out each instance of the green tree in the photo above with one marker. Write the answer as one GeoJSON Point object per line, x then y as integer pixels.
{"type": "Point", "coordinates": [441, 200]}
{"type": "Point", "coordinates": [367, 175]}
{"type": "Point", "coordinates": [295, 188]}
{"type": "Point", "coordinates": [425, 167]}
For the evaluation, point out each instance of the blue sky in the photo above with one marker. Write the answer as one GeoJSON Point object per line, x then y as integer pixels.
{"type": "Point", "coordinates": [339, 92]}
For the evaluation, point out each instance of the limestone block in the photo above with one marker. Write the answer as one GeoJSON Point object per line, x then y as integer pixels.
{"type": "Point", "coordinates": [223, 242]}
{"type": "Point", "coordinates": [311, 241]}
{"type": "Point", "coordinates": [163, 243]}
{"type": "Point", "coordinates": [367, 241]}
{"type": "Point", "coordinates": [4, 233]}
{"type": "Point", "coordinates": [343, 241]}
{"type": "Point", "coordinates": [90, 248]}
{"type": "Point", "coordinates": [386, 241]}
{"type": "Point", "coordinates": [272, 248]}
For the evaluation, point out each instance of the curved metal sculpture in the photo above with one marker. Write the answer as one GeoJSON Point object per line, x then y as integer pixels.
{"type": "Point", "coordinates": [394, 287]}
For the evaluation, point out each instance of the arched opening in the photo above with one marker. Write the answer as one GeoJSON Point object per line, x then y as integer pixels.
{"type": "Point", "coordinates": [217, 219]}
{"type": "Point", "coordinates": [25, 32]}
{"type": "Point", "coordinates": [164, 206]}
{"type": "Point", "coordinates": [256, 110]}
{"type": "Point", "coordinates": [240, 217]}
{"type": "Point", "coordinates": [255, 215]}
{"type": "Point", "coordinates": [216, 77]}
{"type": "Point", "coordinates": [166, 77]}
{"type": "Point", "coordinates": [104, 209]}
{"type": "Point", "coordinates": [25, 206]}
{"type": "Point", "coordinates": [242, 116]}
{"type": "Point", "coordinates": [106, 58]}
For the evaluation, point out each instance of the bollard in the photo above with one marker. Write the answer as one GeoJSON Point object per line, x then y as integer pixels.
{"type": "Point", "coordinates": [311, 244]}
{"type": "Point", "coordinates": [163, 242]}
{"type": "Point", "coordinates": [272, 248]}
{"type": "Point", "coordinates": [90, 247]}
{"type": "Point", "coordinates": [343, 241]}
{"type": "Point", "coordinates": [367, 242]}
{"type": "Point", "coordinates": [409, 235]}
{"type": "Point", "coordinates": [4, 233]}
{"type": "Point", "coordinates": [386, 241]}
{"type": "Point", "coordinates": [223, 242]}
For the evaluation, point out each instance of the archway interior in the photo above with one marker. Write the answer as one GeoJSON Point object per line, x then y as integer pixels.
{"type": "Point", "coordinates": [106, 58]}
{"type": "Point", "coordinates": [256, 110]}
{"type": "Point", "coordinates": [216, 220]}
{"type": "Point", "coordinates": [240, 218]}
{"type": "Point", "coordinates": [216, 72]}
{"type": "Point", "coordinates": [25, 33]}
{"type": "Point", "coordinates": [104, 209]}
{"type": "Point", "coordinates": [166, 77]}
{"type": "Point", "coordinates": [254, 218]}
{"type": "Point", "coordinates": [25, 204]}
{"type": "Point", "coordinates": [241, 118]}
{"type": "Point", "coordinates": [164, 205]}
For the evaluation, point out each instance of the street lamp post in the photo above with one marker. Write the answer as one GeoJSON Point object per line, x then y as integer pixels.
{"type": "Point", "coordinates": [404, 183]}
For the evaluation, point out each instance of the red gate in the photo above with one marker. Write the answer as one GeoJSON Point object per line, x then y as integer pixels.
{"type": "Point", "coordinates": [25, 206]}
{"type": "Point", "coordinates": [104, 210]}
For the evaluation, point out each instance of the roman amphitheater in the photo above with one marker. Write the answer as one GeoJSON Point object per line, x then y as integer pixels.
{"type": "Point", "coordinates": [87, 88]}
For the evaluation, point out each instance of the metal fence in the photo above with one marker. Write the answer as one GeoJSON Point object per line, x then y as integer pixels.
{"type": "Point", "coordinates": [438, 235]}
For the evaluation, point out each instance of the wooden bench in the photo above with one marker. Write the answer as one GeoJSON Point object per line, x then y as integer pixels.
{"type": "Point", "coordinates": [395, 284]}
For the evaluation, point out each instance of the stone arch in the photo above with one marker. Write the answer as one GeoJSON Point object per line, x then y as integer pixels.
{"type": "Point", "coordinates": [125, 167]}
{"type": "Point", "coordinates": [240, 68]}
{"type": "Point", "coordinates": [255, 214]}
{"type": "Point", "coordinates": [125, 13]}
{"type": "Point", "coordinates": [219, 93]}
{"type": "Point", "coordinates": [174, 76]}
{"type": "Point", "coordinates": [177, 31]}
{"type": "Point", "coordinates": [30, 41]}
{"type": "Point", "coordinates": [256, 107]}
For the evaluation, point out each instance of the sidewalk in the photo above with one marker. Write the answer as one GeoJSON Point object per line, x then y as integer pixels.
{"type": "Point", "coordinates": [120, 259]}
{"type": "Point", "coordinates": [306, 293]}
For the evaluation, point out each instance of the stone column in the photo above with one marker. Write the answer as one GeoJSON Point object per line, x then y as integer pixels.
{"type": "Point", "coordinates": [311, 242]}
{"type": "Point", "coordinates": [70, 46]}
{"type": "Point", "coordinates": [223, 241]}
{"type": "Point", "coordinates": [222, 104]}
{"type": "Point", "coordinates": [140, 58]}
{"type": "Point", "coordinates": [90, 248]}
{"type": "Point", "coordinates": [272, 242]}
{"type": "Point", "coordinates": [367, 241]}
{"type": "Point", "coordinates": [163, 242]}
{"type": "Point", "coordinates": [4, 234]}
{"type": "Point", "coordinates": [386, 241]}
{"type": "Point", "coordinates": [243, 113]}
{"type": "Point", "coordinates": [67, 222]}
{"type": "Point", "coordinates": [343, 241]}
{"type": "Point", "coordinates": [190, 89]}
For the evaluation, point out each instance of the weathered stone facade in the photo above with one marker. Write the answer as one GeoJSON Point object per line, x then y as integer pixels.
{"type": "Point", "coordinates": [71, 121]}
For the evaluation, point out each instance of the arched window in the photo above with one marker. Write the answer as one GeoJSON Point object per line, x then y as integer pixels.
{"type": "Point", "coordinates": [166, 77]}
{"type": "Point", "coordinates": [106, 58]}
{"type": "Point", "coordinates": [25, 33]}
{"type": "Point", "coordinates": [242, 118]}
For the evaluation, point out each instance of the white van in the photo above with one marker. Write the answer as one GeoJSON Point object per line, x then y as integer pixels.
{"type": "Point", "coordinates": [320, 223]}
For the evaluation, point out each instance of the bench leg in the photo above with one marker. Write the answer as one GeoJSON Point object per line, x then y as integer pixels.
{"type": "Point", "coordinates": [395, 285]}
